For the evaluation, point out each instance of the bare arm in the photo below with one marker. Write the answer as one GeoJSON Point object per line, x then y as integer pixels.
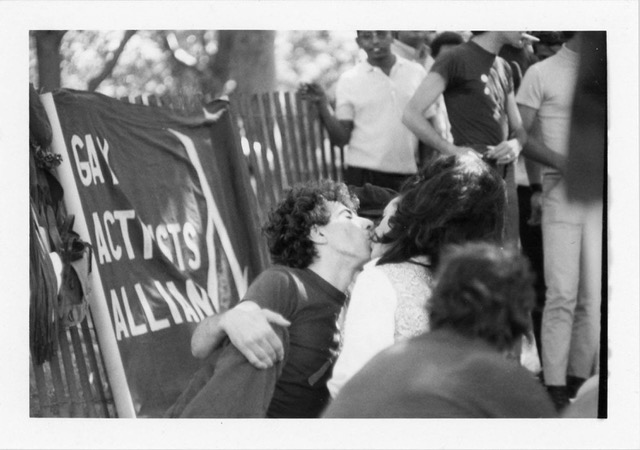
{"type": "Point", "coordinates": [249, 329]}
{"type": "Point", "coordinates": [508, 151]}
{"type": "Point", "coordinates": [535, 149]}
{"type": "Point", "coordinates": [413, 118]}
{"type": "Point", "coordinates": [534, 171]}
{"type": "Point", "coordinates": [339, 130]}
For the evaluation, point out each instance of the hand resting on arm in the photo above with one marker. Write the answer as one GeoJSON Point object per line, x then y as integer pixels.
{"type": "Point", "coordinates": [249, 330]}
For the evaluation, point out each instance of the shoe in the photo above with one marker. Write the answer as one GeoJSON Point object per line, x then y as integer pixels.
{"type": "Point", "coordinates": [559, 396]}
{"type": "Point", "coordinates": [573, 385]}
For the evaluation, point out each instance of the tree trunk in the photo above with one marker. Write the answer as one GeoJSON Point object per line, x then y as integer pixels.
{"type": "Point", "coordinates": [248, 57]}
{"type": "Point", "coordinates": [48, 52]}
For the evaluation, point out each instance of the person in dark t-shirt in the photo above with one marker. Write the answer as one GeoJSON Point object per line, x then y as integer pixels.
{"type": "Point", "coordinates": [318, 243]}
{"type": "Point", "coordinates": [477, 86]}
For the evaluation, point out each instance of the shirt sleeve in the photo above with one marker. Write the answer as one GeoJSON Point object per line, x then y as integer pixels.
{"type": "Point", "coordinates": [345, 109]}
{"type": "Point", "coordinates": [530, 91]}
{"type": "Point", "coordinates": [274, 289]}
{"type": "Point", "coordinates": [444, 65]}
{"type": "Point", "coordinates": [369, 325]}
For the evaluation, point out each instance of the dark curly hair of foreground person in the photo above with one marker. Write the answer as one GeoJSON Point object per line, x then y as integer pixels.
{"type": "Point", "coordinates": [453, 200]}
{"type": "Point", "coordinates": [289, 223]}
{"type": "Point", "coordinates": [483, 291]}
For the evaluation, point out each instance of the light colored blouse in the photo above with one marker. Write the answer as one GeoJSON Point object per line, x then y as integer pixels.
{"type": "Point", "coordinates": [387, 304]}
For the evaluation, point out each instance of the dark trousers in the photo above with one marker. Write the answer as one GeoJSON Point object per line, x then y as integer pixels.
{"type": "Point", "coordinates": [531, 240]}
{"type": "Point", "coordinates": [357, 176]}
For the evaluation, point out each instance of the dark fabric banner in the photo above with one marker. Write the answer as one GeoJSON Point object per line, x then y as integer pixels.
{"type": "Point", "coordinates": [176, 239]}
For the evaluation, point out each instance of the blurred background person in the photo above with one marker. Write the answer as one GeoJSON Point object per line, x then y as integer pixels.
{"type": "Point", "coordinates": [478, 90]}
{"type": "Point", "coordinates": [413, 45]}
{"type": "Point", "coordinates": [571, 231]}
{"type": "Point", "coordinates": [445, 41]}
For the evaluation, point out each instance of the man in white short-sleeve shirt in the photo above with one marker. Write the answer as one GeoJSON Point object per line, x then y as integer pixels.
{"type": "Point", "coordinates": [571, 231]}
{"type": "Point", "coordinates": [370, 100]}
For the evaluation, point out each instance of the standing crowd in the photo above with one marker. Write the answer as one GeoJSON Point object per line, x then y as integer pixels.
{"type": "Point", "coordinates": [417, 288]}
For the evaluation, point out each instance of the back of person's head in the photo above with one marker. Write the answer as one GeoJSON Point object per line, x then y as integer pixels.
{"type": "Point", "coordinates": [453, 200]}
{"type": "Point", "coordinates": [413, 38]}
{"type": "Point", "coordinates": [289, 223]}
{"type": "Point", "coordinates": [483, 291]}
{"type": "Point", "coordinates": [550, 42]}
{"type": "Point", "coordinates": [446, 38]}
{"type": "Point", "coordinates": [553, 37]}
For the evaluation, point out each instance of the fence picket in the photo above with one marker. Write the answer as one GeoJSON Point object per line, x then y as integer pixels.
{"type": "Point", "coordinates": [287, 150]}
{"type": "Point", "coordinates": [255, 170]}
{"type": "Point", "coordinates": [316, 131]}
{"type": "Point", "coordinates": [302, 132]}
{"type": "Point", "coordinates": [62, 401]}
{"type": "Point", "coordinates": [325, 150]}
{"type": "Point", "coordinates": [42, 391]}
{"type": "Point", "coordinates": [333, 163]}
{"type": "Point", "coordinates": [69, 373]}
{"type": "Point", "coordinates": [291, 133]}
{"type": "Point", "coordinates": [312, 139]}
{"type": "Point", "coordinates": [267, 114]}
{"type": "Point", "coordinates": [83, 373]}
{"type": "Point", "coordinates": [105, 398]}
{"type": "Point", "coordinates": [259, 136]}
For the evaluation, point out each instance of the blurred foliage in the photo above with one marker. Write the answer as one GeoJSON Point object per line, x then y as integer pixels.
{"type": "Point", "coordinates": [174, 63]}
{"type": "Point", "coordinates": [314, 56]}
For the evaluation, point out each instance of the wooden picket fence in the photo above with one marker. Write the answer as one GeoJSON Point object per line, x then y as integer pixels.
{"type": "Point", "coordinates": [74, 382]}
{"type": "Point", "coordinates": [283, 143]}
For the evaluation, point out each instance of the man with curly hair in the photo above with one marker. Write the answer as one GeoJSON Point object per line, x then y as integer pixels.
{"type": "Point", "coordinates": [317, 243]}
{"type": "Point", "coordinates": [479, 308]}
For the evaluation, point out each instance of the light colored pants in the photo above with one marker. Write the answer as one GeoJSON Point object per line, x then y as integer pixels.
{"type": "Point", "coordinates": [572, 240]}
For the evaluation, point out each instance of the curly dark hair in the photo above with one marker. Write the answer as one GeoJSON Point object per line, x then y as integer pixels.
{"type": "Point", "coordinates": [453, 200]}
{"type": "Point", "coordinates": [483, 291]}
{"type": "Point", "coordinates": [289, 223]}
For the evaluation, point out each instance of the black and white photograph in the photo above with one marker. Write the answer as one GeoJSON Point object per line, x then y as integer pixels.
{"type": "Point", "coordinates": [408, 224]}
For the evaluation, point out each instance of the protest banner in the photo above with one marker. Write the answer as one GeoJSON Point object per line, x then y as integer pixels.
{"type": "Point", "coordinates": [162, 198]}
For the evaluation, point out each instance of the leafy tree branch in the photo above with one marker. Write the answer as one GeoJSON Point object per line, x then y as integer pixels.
{"type": "Point", "coordinates": [112, 60]}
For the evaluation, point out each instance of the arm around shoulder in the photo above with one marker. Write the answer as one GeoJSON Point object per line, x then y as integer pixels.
{"type": "Point", "coordinates": [249, 330]}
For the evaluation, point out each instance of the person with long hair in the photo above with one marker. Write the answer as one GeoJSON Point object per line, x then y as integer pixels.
{"type": "Point", "coordinates": [453, 200]}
